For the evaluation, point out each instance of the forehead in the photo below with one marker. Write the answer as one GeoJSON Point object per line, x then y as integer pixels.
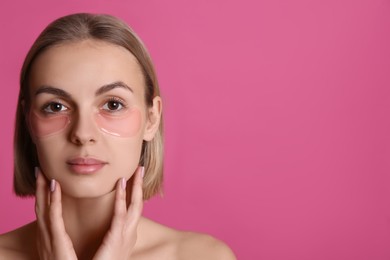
{"type": "Point", "coordinates": [86, 65]}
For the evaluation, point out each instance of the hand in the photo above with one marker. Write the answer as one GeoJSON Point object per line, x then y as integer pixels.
{"type": "Point", "coordinates": [120, 239]}
{"type": "Point", "coordinates": [53, 242]}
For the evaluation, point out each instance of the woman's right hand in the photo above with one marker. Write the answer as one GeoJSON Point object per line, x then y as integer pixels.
{"type": "Point", "coordinates": [52, 242]}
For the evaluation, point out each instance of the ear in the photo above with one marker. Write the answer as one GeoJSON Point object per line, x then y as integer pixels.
{"type": "Point", "coordinates": [153, 119]}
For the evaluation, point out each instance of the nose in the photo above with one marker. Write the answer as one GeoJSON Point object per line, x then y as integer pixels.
{"type": "Point", "coordinates": [83, 129]}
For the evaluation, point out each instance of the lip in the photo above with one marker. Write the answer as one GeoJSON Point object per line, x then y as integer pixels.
{"type": "Point", "coordinates": [85, 165]}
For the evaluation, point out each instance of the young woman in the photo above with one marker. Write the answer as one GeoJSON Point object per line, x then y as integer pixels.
{"type": "Point", "coordinates": [89, 146]}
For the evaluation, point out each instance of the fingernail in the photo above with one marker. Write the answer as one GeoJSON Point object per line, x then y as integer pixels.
{"type": "Point", "coordinates": [52, 185]}
{"type": "Point", "coordinates": [142, 172]}
{"type": "Point", "coordinates": [123, 183]}
{"type": "Point", "coordinates": [36, 172]}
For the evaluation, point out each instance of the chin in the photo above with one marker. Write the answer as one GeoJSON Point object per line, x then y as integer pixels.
{"type": "Point", "coordinates": [82, 190]}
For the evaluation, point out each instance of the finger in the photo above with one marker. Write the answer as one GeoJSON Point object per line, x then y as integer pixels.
{"type": "Point", "coordinates": [135, 208]}
{"type": "Point", "coordinates": [57, 225]}
{"type": "Point", "coordinates": [120, 204]}
{"type": "Point", "coordinates": [41, 207]}
{"type": "Point", "coordinates": [61, 244]}
{"type": "Point", "coordinates": [41, 194]}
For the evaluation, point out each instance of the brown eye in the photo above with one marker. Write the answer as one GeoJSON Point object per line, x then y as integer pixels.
{"type": "Point", "coordinates": [54, 107]}
{"type": "Point", "coordinates": [113, 105]}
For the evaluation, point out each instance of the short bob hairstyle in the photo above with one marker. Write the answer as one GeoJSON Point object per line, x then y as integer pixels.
{"type": "Point", "coordinates": [74, 28]}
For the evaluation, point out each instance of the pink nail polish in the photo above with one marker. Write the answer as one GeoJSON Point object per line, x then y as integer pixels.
{"type": "Point", "coordinates": [123, 183]}
{"type": "Point", "coordinates": [142, 172]}
{"type": "Point", "coordinates": [52, 185]}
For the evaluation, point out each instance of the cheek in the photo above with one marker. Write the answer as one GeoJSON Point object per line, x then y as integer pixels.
{"type": "Point", "coordinates": [46, 126]}
{"type": "Point", "coordinates": [126, 125]}
{"type": "Point", "coordinates": [50, 154]}
{"type": "Point", "coordinates": [124, 156]}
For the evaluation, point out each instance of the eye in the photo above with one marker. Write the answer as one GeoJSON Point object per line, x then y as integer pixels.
{"type": "Point", "coordinates": [54, 107]}
{"type": "Point", "coordinates": [114, 105]}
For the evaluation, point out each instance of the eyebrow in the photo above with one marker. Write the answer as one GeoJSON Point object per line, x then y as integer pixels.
{"type": "Point", "coordinates": [108, 87]}
{"type": "Point", "coordinates": [103, 89]}
{"type": "Point", "coordinates": [54, 91]}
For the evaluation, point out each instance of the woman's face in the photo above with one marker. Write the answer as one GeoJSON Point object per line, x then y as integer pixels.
{"type": "Point", "coordinates": [87, 115]}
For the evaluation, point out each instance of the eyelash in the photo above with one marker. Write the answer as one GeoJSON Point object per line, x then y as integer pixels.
{"type": "Point", "coordinates": [121, 103]}
{"type": "Point", "coordinates": [47, 110]}
{"type": "Point", "coordinates": [46, 107]}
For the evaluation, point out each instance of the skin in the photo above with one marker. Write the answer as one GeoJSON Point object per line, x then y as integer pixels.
{"type": "Point", "coordinates": [99, 215]}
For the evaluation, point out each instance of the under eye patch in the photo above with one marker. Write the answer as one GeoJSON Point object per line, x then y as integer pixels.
{"type": "Point", "coordinates": [43, 126]}
{"type": "Point", "coordinates": [127, 124]}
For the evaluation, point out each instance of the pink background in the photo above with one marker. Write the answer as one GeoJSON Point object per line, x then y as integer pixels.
{"type": "Point", "coordinates": [277, 119]}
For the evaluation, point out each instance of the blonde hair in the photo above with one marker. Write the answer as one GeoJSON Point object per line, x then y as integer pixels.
{"type": "Point", "coordinates": [73, 28]}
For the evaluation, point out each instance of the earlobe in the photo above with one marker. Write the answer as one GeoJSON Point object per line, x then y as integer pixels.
{"type": "Point", "coordinates": [153, 119]}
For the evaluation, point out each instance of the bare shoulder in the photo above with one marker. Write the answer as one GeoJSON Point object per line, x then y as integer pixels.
{"type": "Point", "coordinates": [169, 243]}
{"type": "Point", "coordinates": [18, 243]}
{"type": "Point", "coordinates": [202, 246]}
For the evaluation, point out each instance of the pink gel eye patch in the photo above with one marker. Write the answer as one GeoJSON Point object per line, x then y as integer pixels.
{"type": "Point", "coordinates": [43, 126]}
{"type": "Point", "coordinates": [127, 124]}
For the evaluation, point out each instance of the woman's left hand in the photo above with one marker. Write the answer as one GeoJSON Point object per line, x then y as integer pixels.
{"type": "Point", "coordinates": [120, 239]}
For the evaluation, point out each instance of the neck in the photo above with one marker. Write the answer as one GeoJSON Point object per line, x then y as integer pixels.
{"type": "Point", "coordinates": [87, 221]}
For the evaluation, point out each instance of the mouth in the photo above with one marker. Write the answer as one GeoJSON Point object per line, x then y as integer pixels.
{"type": "Point", "coordinates": [85, 165]}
